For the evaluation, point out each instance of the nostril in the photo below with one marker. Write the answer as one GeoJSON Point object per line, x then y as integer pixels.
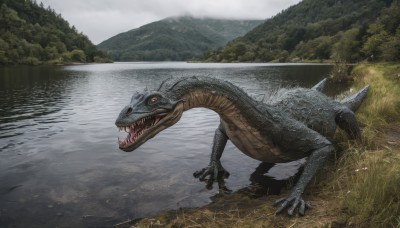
{"type": "Point", "coordinates": [129, 110]}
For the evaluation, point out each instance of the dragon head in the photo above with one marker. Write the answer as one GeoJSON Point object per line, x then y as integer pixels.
{"type": "Point", "coordinates": [147, 114]}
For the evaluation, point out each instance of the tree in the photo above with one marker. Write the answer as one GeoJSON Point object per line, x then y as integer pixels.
{"type": "Point", "coordinates": [318, 48]}
{"type": "Point", "coordinates": [51, 53]}
{"type": "Point", "coordinates": [3, 51]}
{"type": "Point", "coordinates": [382, 40]}
{"type": "Point", "coordinates": [390, 50]}
{"type": "Point", "coordinates": [78, 56]}
{"type": "Point", "coordinates": [347, 48]}
{"type": "Point", "coordinates": [9, 18]}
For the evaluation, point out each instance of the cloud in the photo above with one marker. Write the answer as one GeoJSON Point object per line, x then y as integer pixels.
{"type": "Point", "coordinates": [102, 19]}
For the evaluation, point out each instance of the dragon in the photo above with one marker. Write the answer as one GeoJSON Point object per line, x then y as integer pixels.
{"type": "Point", "coordinates": [291, 124]}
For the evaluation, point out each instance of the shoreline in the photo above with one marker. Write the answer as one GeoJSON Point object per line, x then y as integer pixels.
{"type": "Point", "coordinates": [338, 192]}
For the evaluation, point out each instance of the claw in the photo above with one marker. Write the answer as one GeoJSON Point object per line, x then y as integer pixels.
{"type": "Point", "coordinates": [201, 174]}
{"type": "Point", "coordinates": [216, 173]}
{"type": "Point", "coordinates": [283, 205]}
{"type": "Point", "coordinates": [291, 210]}
{"type": "Point", "coordinates": [293, 202]}
{"type": "Point", "coordinates": [302, 207]}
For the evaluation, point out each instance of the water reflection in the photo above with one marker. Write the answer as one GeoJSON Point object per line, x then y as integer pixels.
{"type": "Point", "coordinates": [59, 161]}
{"type": "Point", "coordinates": [269, 178]}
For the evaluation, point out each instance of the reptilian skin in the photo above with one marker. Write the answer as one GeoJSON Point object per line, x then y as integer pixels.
{"type": "Point", "coordinates": [292, 124]}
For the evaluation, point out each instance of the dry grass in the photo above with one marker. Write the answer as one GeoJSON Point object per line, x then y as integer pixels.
{"type": "Point", "coordinates": [359, 188]}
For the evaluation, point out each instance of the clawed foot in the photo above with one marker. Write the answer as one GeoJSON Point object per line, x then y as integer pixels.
{"type": "Point", "coordinates": [216, 173]}
{"type": "Point", "coordinates": [292, 201]}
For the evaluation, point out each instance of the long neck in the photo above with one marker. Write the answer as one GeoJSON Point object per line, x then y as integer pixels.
{"type": "Point", "coordinates": [204, 98]}
{"type": "Point", "coordinates": [223, 97]}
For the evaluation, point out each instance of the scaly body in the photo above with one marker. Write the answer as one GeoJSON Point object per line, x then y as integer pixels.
{"type": "Point", "coordinates": [293, 124]}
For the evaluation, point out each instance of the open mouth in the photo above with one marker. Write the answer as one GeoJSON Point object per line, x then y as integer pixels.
{"type": "Point", "coordinates": [137, 129]}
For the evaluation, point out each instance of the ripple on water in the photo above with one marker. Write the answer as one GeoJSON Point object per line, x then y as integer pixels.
{"type": "Point", "coordinates": [58, 142]}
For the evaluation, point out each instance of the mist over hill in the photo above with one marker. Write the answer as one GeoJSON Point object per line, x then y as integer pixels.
{"type": "Point", "coordinates": [175, 38]}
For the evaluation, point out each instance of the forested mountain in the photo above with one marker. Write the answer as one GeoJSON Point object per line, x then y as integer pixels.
{"type": "Point", "coordinates": [32, 34]}
{"type": "Point", "coordinates": [175, 38]}
{"type": "Point", "coordinates": [341, 30]}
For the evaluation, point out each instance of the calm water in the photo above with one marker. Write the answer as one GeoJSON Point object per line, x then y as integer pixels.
{"type": "Point", "coordinates": [59, 160]}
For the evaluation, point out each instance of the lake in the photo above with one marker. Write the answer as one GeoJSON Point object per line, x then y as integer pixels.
{"type": "Point", "coordinates": [60, 165]}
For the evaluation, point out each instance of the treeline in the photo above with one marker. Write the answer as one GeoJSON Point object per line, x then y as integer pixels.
{"type": "Point", "coordinates": [339, 30]}
{"type": "Point", "coordinates": [32, 34]}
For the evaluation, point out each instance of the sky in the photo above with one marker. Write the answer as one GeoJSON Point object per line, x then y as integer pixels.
{"type": "Point", "coordinates": [102, 19]}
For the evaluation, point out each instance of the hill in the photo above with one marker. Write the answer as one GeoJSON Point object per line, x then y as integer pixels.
{"type": "Point", "coordinates": [174, 38]}
{"type": "Point", "coordinates": [321, 29]}
{"type": "Point", "coordinates": [32, 34]}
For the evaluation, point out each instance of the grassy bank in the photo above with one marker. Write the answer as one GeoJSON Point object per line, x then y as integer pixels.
{"type": "Point", "coordinates": [367, 175]}
{"type": "Point", "coordinates": [359, 187]}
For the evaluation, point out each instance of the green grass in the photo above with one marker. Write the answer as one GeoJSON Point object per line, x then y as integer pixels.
{"type": "Point", "coordinates": [367, 175]}
{"type": "Point", "coordinates": [382, 106]}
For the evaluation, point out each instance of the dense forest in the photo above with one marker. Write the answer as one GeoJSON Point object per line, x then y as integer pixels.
{"type": "Point", "coordinates": [32, 34]}
{"type": "Point", "coordinates": [175, 39]}
{"type": "Point", "coordinates": [339, 30]}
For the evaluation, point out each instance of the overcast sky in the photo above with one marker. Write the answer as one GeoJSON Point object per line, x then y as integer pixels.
{"type": "Point", "coordinates": [102, 19]}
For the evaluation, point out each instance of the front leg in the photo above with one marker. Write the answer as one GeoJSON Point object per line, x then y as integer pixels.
{"type": "Point", "coordinates": [294, 199]}
{"type": "Point", "coordinates": [214, 170]}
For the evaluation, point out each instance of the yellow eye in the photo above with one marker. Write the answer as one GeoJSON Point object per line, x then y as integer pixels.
{"type": "Point", "coordinates": [153, 100]}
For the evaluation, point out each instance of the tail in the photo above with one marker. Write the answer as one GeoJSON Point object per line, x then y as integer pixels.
{"type": "Point", "coordinates": [320, 86]}
{"type": "Point", "coordinates": [353, 102]}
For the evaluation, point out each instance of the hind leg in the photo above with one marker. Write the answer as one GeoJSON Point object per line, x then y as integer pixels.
{"type": "Point", "coordinates": [346, 120]}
